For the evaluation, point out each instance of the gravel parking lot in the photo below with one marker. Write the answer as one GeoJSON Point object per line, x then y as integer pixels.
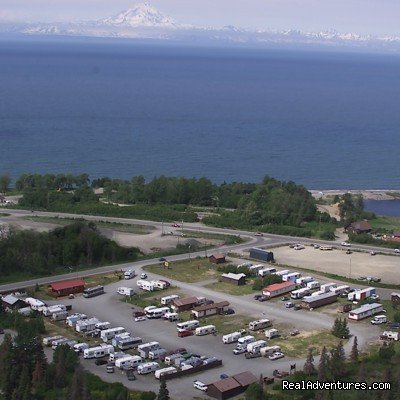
{"type": "Point", "coordinates": [338, 262]}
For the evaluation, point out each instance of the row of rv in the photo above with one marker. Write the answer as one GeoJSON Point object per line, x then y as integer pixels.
{"type": "Point", "coordinates": [150, 286]}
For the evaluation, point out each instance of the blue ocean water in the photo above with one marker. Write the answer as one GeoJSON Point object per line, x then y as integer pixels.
{"type": "Point", "coordinates": [389, 208]}
{"type": "Point", "coordinates": [325, 120]}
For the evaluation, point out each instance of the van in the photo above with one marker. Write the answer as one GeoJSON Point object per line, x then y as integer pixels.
{"type": "Point", "coordinates": [129, 274]}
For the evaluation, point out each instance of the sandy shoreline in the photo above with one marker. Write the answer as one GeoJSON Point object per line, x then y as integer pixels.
{"type": "Point", "coordinates": [373, 194]}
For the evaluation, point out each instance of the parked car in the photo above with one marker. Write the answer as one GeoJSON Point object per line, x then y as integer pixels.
{"type": "Point", "coordinates": [258, 234]}
{"type": "Point", "coordinates": [110, 369]}
{"type": "Point", "coordinates": [373, 279]}
{"type": "Point", "coordinates": [229, 311]}
{"type": "Point", "coordinates": [175, 225]}
{"type": "Point", "coordinates": [130, 375]}
{"type": "Point", "coordinates": [185, 333]}
{"type": "Point", "coordinates": [285, 298]}
{"type": "Point", "coordinates": [100, 362]}
{"type": "Point", "coordinates": [295, 332]}
{"type": "Point", "coordinates": [348, 251]}
{"type": "Point", "coordinates": [263, 298]}
{"type": "Point", "coordinates": [139, 313]}
{"type": "Point", "coordinates": [373, 253]}
{"type": "Point", "coordinates": [299, 247]}
{"type": "Point", "coordinates": [276, 356]}
{"type": "Point", "coordinates": [224, 376]}
{"type": "Point", "coordinates": [397, 251]}
{"type": "Point", "coordinates": [239, 350]}
{"type": "Point", "coordinates": [289, 304]}
{"type": "Point", "coordinates": [143, 275]}
{"type": "Point", "coordinates": [1, 331]}
{"type": "Point", "coordinates": [138, 319]}
{"type": "Point", "coordinates": [200, 385]}
{"type": "Point", "coordinates": [168, 284]}
{"type": "Point", "coordinates": [297, 307]}
{"type": "Point", "coordinates": [252, 355]}
{"type": "Point", "coordinates": [345, 244]}
{"type": "Point", "coordinates": [162, 259]}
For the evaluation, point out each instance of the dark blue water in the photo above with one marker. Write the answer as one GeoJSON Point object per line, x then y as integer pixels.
{"type": "Point", "coordinates": [120, 109]}
{"type": "Point", "coordinates": [390, 208]}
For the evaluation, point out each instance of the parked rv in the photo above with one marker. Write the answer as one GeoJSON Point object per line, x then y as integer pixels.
{"type": "Point", "coordinates": [128, 361]}
{"type": "Point", "coordinates": [147, 368]}
{"type": "Point", "coordinates": [259, 324]}
{"type": "Point", "coordinates": [169, 299]}
{"type": "Point", "coordinates": [125, 291]}
{"type": "Point", "coordinates": [129, 274]}
{"type": "Point", "coordinates": [231, 337]}
{"type": "Point", "coordinates": [165, 371]}
{"type": "Point", "coordinates": [108, 334]}
{"type": "Point", "coordinates": [188, 325]}
{"type": "Point", "coordinates": [271, 333]}
{"type": "Point", "coordinates": [379, 319]}
{"type": "Point", "coordinates": [256, 346]}
{"type": "Point", "coordinates": [205, 330]}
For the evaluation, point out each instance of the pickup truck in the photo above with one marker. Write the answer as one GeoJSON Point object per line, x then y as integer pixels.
{"type": "Point", "coordinates": [280, 374]}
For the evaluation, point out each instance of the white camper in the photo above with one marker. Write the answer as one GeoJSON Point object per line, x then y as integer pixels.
{"type": "Point", "coordinates": [108, 334]}
{"type": "Point", "coordinates": [266, 271]}
{"type": "Point", "coordinates": [165, 371]}
{"type": "Point", "coordinates": [169, 299]}
{"type": "Point", "coordinates": [86, 325]}
{"type": "Point", "coordinates": [47, 341]}
{"type": "Point", "coordinates": [98, 351]}
{"type": "Point", "coordinates": [145, 285]}
{"type": "Point", "coordinates": [129, 273]}
{"type": "Point", "coordinates": [147, 368]}
{"type": "Point", "coordinates": [125, 291]}
{"type": "Point", "coordinates": [128, 362]}
{"type": "Point", "coordinates": [60, 316]}
{"type": "Point", "coordinates": [103, 326]}
{"type": "Point", "coordinates": [231, 337]}
{"type": "Point", "coordinates": [327, 287]}
{"type": "Point", "coordinates": [157, 312]}
{"type": "Point", "coordinates": [188, 325]}
{"type": "Point", "coordinates": [259, 324]}
{"type": "Point", "coordinates": [156, 354]}
{"type": "Point", "coordinates": [35, 304]}
{"type": "Point", "coordinates": [171, 316]}
{"type": "Point", "coordinates": [245, 340]}
{"type": "Point", "coordinates": [49, 311]}
{"type": "Point", "coordinates": [145, 348]}
{"type": "Point", "coordinates": [271, 333]}
{"type": "Point", "coordinates": [313, 285]}
{"type": "Point", "coordinates": [256, 346]}
{"type": "Point", "coordinates": [269, 350]}
{"type": "Point", "coordinates": [205, 330]}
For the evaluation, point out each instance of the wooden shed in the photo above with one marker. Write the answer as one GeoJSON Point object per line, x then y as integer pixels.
{"type": "Point", "coordinates": [210, 309]}
{"type": "Point", "coordinates": [234, 279]}
{"type": "Point", "coordinates": [65, 288]}
{"type": "Point", "coordinates": [217, 258]}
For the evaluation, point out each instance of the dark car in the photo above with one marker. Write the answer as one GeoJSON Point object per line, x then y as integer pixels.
{"type": "Point", "coordinates": [101, 362]}
{"type": "Point", "coordinates": [297, 307]}
{"type": "Point", "coordinates": [224, 376]}
{"type": "Point", "coordinates": [162, 259]}
{"type": "Point", "coordinates": [257, 296]}
{"type": "Point", "coordinates": [130, 375]}
{"type": "Point", "coordinates": [285, 298]}
{"type": "Point", "coordinates": [252, 355]}
{"type": "Point", "coordinates": [185, 333]}
{"type": "Point", "coordinates": [138, 314]}
{"type": "Point", "coordinates": [263, 298]}
{"type": "Point", "coordinates": [229, 311]}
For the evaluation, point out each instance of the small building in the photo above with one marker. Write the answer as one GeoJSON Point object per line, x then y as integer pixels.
{"type": "Point", "coordinates": [395, 297]}
{"type": "Point", "coordinates": [277, 289]}
{"type": "Point", "coordinates": [210, 309]}
{"type": "Point", "coordinates": [11, 302]}
{"type": "Point", "coordinates": [217, 258]}
{"type": "Point", "coordinates": [230, 387]}
{"type": "Point", "coordinates": [396, 234]}
{"type": "Point", "coordinates": [2, 199]}
{"type": "Point", "coordinates": [65, 288]}
{"type": "Point", "coordinates": [261, 254]}
{"type": "Point", "coordinates": [310, 302]}
{"type": "Point", "coordinates": [365, 311]}
{"type": "Point", "coordinates": [235, 279]}
{"type": "Point", "coordinates": [359, 227]}
{"type": "Point", "coordinates": [185, 304]}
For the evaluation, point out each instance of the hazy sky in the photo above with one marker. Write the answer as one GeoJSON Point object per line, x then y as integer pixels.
{"type": "Point", "coordinates": [360, 16]}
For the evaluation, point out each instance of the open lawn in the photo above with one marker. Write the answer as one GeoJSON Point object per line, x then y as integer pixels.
{"type": "Point", "coordinates": [297, 346]}
{"type": "Point", "coordinates": [235, 290]}
{"type": "Point", "coordinates": [115, 226]}
{"type": "Point", "coordinates": [226, 239]}
{"type": "Point", "coordinates": [385, 224]}
{"type": "Point", "coordinates": [144, 299]}
{"type": "Point", "coordinates": [195, 270]}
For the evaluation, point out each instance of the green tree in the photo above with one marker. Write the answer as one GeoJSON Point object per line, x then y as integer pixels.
{"type": "Point", "coordinates": [163, 393]}
{"type": "Point", "coordinates": [309, 367]}
{"type": "Point", "coordinates": [337, 362]}
{"type": "Point", "coordinates": [254, 392]}
{"type": "Point", "coordinates": [354, 350]}
{"type": "Point", "coordinates": [323, 365]}
{"type": "Point", "coordinates": [387, 351]}
{"type": "Point", "coordinates": [5, 181]}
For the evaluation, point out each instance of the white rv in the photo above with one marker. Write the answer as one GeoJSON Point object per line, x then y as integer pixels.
{"type": "Point", "coordinates": [205, 330]}
{"type": "Point", "coordinates": [245, 340]}
{"type": "Point", "coordinates": [188, 325]}
{"type": "Point", "coordinates": [125, 291]}
{"type": "Point", "coordinates": [74, 318]}
{"type": "Point", "coordinates": [169, 299]}
{"type": "Point", "coordinates": [266, 271]}
{"type": "Point", "coordinates": [129, 273]}
{"type": "Point", "coordinates": [147, 368]}
{"type": "Point", "coordinates": [165, 371]}
{"type": "Point", "coordinates": [86, 325]}
{"type": "Point", "coordinates": [128, 362]}
{"type": "Point", "coordinates": [103, 326]}
{"type": "Point", "coordinates": [171, 316]}
{"type": "Point", "coordinates": [108, 334]}
{"type": "Point", "coordinates": [159, 284]}
{"type": "Point", "coordinates": [283, 272]}
{"type": "Point", "coordinates": [271, 333]}
{"type": "Point", "coordinates": [157, 312]}
{"type": "Point", "coordinates": [35, 304]}
{"type": "Point", "coordinates": [80, 347]}
{"type": "Point", "coordinates": [129, 343]}
{"type": "Point", "coordinates": [269, 350]}
{"type": "Point", "coordinates": [304, 280]}
{"type": "Point", "coordinates": [313, 285]}
{"type": "Point", "coordinates": [48, 311]}
{"type": "Point", "coordinates": [60, 316]}
{"type": "Point", "coordinates": [300, 293]}
{"type": "Point", "coordinates": [171, 358]}
{"type": "Point", "coordinates": [115, 356]}
{"type": "Point", "coordinates": [145, 285]}
{"type": "Point", "coordinates": [145, 348]}
{"type": "Point", "coordinates": [156, 354]}
{"type": "Point", "coordinates": [256, 346]}
{"type": "Point", "coordinates": [327, 287]}
{"type": "Point", "coordinates": [259, 324]}
{"type": "Point", "coordinates": [47, 341]}
{"type": "Point", "coordinates": [98, 351]}
{"type": "Point", "coordinates": [231, 337]}
{"type": "Point", "coordinates": [59, 342]}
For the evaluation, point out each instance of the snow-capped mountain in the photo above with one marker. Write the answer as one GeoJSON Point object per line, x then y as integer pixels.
{"type": "Point", "coordinates": [144, 21]}
{"type": "Point", "coordinates": [142, 14]}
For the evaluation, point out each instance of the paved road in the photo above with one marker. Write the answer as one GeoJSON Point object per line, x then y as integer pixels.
{"type": "Point", "coordinates": [109, 308]}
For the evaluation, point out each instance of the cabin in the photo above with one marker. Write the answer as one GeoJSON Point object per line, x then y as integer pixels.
{"type": "Point", "coordinates": [210, 309]}
{"type": "Point", "coordinates": [11, 303]}
{"type": "Point", "coordinates": [65, 288]}
{"type": "Point", "coordinates": [359, 227]}
{"type": "Point", "coordinates": [232, 386]}
{"type": "Point", "coordinates": [234, 279]}
{"type": "Point", "coordinates": [185, 304]}
{"type": "Point", "coordinates": [217, 258]}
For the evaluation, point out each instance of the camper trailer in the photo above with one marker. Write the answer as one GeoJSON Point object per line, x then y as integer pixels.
{"type": "Point", "coordinates": [167, 300]}
{"type": "Point", "coordinates": [156, 354]}
{"type": "Point", "coordinates": [74, 318]}
{"type": "Point", "coordinates": [157, 312]}
{"type": "Point", "coordinates": [259, 324]}
{"type": "Point", "coordinates": [49, 311]}
{"type": "Point", "coordinates": [129, 343]}
{"type": "Point", "coordinates": [145, 285]}
{"type": "Point", "coordinates": [108, 334]}
{"type": "Point", "coordinates": [147, 368]}
{"type": "Point", "coordinates": [300, 293]}
{"type": "Point", "coordinates": [266, 271]}
{"type": "Point", "coordinates": [271, 333]}
{"type": "Point", "coordinates": [103, 326]}
{"type": "Point", "coordinates": [171, 316]}
{"type": "Point", "coordinates": [245, 340]}
{"type": "Point", "coordinates": [256, 346]}
{"type": "Point", "coordinates": [86, 325]}
{"type": "Point", "coordinates": [47, 341]}
{"type": "Point", "coordinates": [98, 351]}
{"type": "Point", "coordinates": [231, 337]}
{"type": "Point", "coordinates": [125, 291]}
{"type": "Point", "coordinates": [188, 325]}
{"type": "Point", "coordinates": [145, 348]}
{"type": "Point", "coordinates": [269, 350]}
{"type": "Point", "coordinates": [35, 304]}
{"type": "Point", "coordinates": [60, 316]}
{"type": "Point", "coordinates": [291, 277]}
{"type": "Point", "coordinates": [313, 285]}
{"type": "Point", "coordinates": [128, 362]}
{"type": "Point", "coordinates": [165, 371]}
{"type": "Point", "coordinates": [205, 330]}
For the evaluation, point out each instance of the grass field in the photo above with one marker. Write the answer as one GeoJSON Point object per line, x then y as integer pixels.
{"type": "Point", "coordinates": [228, 288]}
{"type": "Point", "coordinates": [297, 346]}
{"type": "Point", "coordinates": [227, 239]}
{"type": "Point", "coordinates": [120, 227]}
{"type": "Point", "coordinates": [195, 270]}
{"type": "Point", "coordinates": [144, 299]}
{"type": "Point", "coordinates": [385, 224]}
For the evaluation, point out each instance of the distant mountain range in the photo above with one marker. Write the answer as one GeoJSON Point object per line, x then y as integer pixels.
{"type": "Point", "coordinates": [143, 21]}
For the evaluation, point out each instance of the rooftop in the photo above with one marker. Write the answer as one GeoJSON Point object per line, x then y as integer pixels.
{"type": "Point", "coordinates": [67, 284]}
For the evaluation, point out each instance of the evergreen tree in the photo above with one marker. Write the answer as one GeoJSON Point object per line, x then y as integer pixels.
{"type": "Point", "coordinates": [309, 367]}
{"type": "Point", "coordinates": [354, 350]}
{"type": "Point", "coordinates": [78, 389]}
{"type": "Point", "coordinates": [387, 377]}
{"type": "Point", "coordinates": [323, 366]}
{"type": "Point", "coordinates": [254, 392]}
{"type": "Point", "coordinates": [387, 351]}
{"type": "Point", "coordinates": [345, 331]}
{"type": "Point", "coordinates": [336, 327]}
{"type": "Point", "coordinates": [163, 393]}
{"type": "Point", "coordinates": [337, 362]}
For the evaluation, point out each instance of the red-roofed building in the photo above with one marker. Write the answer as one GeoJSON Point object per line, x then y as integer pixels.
{"type": "Point", "coordinates": [65, 288]}
{"type": "Point", "coordinates": [279, 288]}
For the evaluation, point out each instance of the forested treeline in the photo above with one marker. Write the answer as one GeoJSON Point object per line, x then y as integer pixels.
{"type": "Point", "coordinates": [25, 373]}
{"type": "Point", "coordinates": [74, 245]}
{"type": "Point", "coordinates": [266, 205]}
